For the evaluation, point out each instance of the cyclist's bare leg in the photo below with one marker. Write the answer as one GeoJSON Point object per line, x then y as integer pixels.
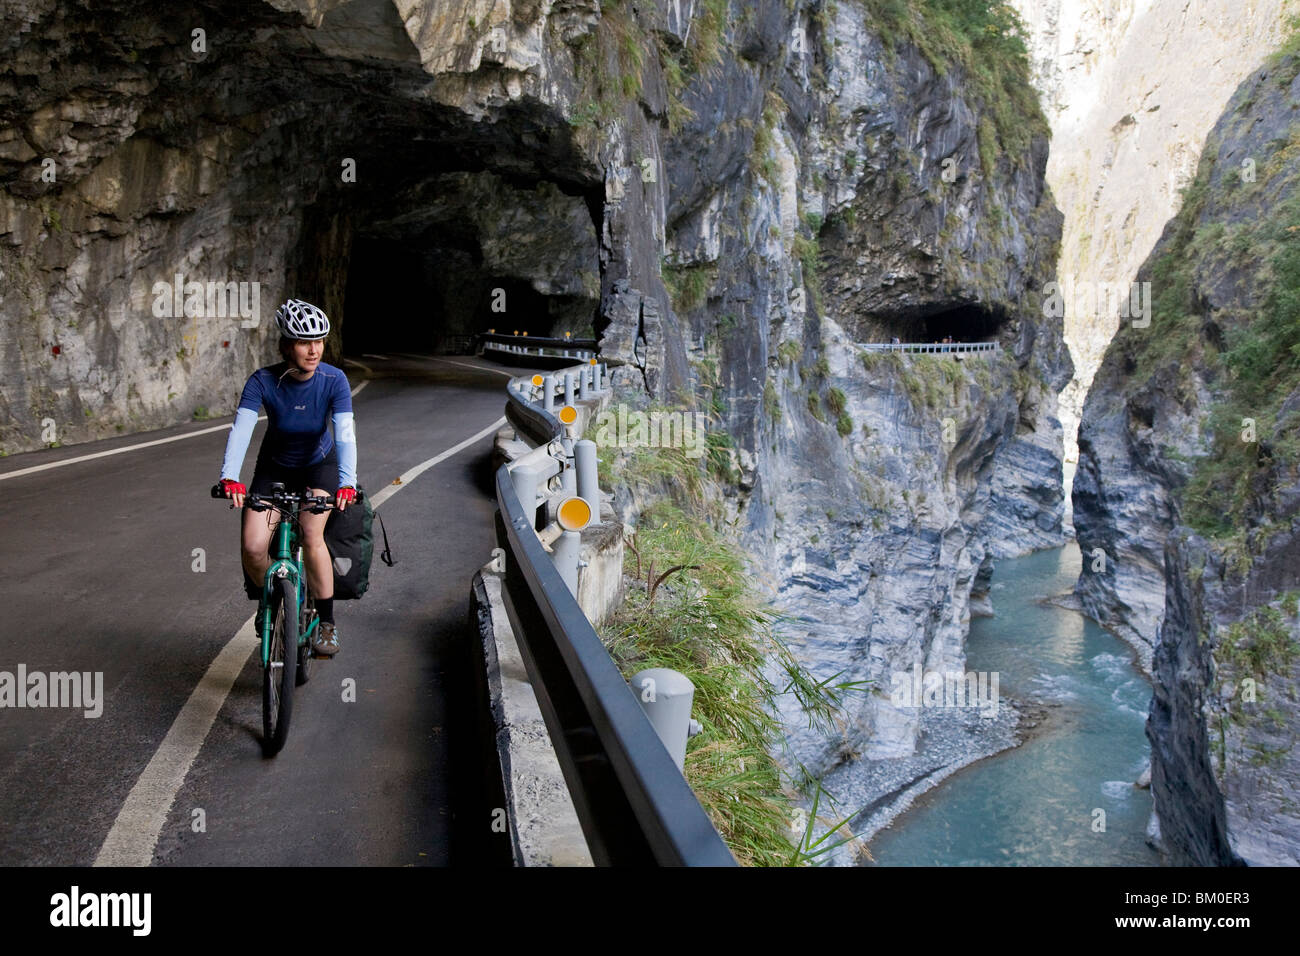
{"type": "Point", "coordinates": [254, 539]}
{"type": "Point", "coordinates": [315, 555]}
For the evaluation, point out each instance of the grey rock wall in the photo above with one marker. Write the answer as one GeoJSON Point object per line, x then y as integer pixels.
{"type": "Point", "coordinates": [1210, 617]}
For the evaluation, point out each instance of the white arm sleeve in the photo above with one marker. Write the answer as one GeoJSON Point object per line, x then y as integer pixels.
{"type": "Point", "coordinates": [241, 433]}
{"type": "Point", "coordinates": [345, 437]}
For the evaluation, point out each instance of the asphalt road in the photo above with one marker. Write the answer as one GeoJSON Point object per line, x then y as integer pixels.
{"type": "Point", "coordinates": [99, 570]}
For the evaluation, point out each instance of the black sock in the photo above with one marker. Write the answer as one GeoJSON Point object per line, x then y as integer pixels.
{"type": "Point", "coordinates": [325, 608]}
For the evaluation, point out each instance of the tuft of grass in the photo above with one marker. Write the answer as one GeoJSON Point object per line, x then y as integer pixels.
{"type": "Point", "coordinates": [1259, 644]}
{"type": "Point", "coordinates": [788, 352]}
{"type": "Point", "coordinates": [815, 407]}
{"type": "Point", "coordinates": [771, 404]}
{"type": "Point", "coordinates": [689, 285]}
{"type": "Point", "coordinates": [707, 622]}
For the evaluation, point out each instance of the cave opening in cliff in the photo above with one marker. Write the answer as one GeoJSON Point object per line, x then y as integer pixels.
{"type": "Point", "coordinates": [964, 323]}
{"type": "Point", "coordinates": [461, 253]}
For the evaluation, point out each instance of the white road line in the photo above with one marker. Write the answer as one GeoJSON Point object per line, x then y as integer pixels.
{"type": "Point", "coordinates": [382, 358]}
{"type": "Point", "coordinates": [406, 477]}
{"type": "Point", "coordinates": [134, 834]}
{"type": "Point", "coordinates": [481, 368]}
{"type": "Point", "coordinates": [135, 831]}
{"type": "Point", "coordinates": [125, 448]}
{"type": "Point", "coordinates": [362, 365]}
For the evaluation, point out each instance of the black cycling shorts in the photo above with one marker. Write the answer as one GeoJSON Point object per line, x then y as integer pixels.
{"type": "Point", "coordinates": [323, 474]}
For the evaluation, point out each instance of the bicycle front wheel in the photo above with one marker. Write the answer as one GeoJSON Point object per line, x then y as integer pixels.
{"type": "Point", "coordinates": [304, 649]}
{"type": "Point", "coordinates": [278, 675]}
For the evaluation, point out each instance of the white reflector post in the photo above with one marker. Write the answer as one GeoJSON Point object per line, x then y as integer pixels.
{"type": "Point", "coordinates": [584, 461]}
{"type": "Point", "coordinates": [565, 555]}
{"type": "Point", "coordinates": [666, 697]}
{"type": "Point", "coordinates": [525, 479]}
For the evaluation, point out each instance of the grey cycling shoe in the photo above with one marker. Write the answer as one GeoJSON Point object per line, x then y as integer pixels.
{"type": "Point", "coordinates": [325, 642]}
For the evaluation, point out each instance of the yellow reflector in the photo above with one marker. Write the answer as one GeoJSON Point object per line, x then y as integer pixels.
{"type": "Point", "coordinates": [568, 415]}
{"type": "Point", "coordinates": [574, 514]}
{"type": "Point", "coordinates": [592, 361]}
{"type": "Point", "coordinates": [537, 380]}
{"type": "Point", "coordinates": [525, 333]}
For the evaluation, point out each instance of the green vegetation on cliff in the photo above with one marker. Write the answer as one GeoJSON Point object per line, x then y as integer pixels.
{"type": "Point", "coordinates": [1249, 358]}
{"type": "Point", "coordinates": [692, 606]}
{"type": "Point", "coordinates": [986, 40]}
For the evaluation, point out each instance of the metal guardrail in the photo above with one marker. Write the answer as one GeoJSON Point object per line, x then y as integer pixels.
{"type": "Point", "coordinates": [634, 805]}
{"type": "Point", "coordinates": [570, 348]}
{"type": "Point", "coordinates": [954, 347]}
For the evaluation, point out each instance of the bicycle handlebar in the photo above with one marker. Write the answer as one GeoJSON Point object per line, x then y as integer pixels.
{"type": "Point", "coordinates": [283, 500]}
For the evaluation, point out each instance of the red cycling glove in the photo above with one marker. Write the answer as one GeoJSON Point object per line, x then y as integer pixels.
{"type": "Point", "coordinates": [346, 494]}
{"type": "Point", "coordinates": [232, 487]}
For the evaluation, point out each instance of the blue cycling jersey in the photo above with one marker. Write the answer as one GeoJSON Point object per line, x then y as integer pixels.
{"type": "Point", "coordinates": [297, 413]}
{"type": "Point", "coordinates": [298, 417]}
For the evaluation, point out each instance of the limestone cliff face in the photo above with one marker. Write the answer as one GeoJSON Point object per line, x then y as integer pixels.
{"type": "Point", "coordinates": [873, 490]}
{"type": "Point", "coordinates": [802, 182]}
{"type": "Point", "coordinates": [1131, 87]}
{"type": "Point", "coordinates": [1188, 487]}
{"type": "Point", "coordinates": [273, 147]}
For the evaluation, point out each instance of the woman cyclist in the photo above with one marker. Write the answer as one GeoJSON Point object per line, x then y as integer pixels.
{"type": "Point", "coordinates": [302, 396]}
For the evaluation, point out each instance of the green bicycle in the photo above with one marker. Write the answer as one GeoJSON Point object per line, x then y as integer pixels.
{"type": "Point", "coordinates": [287, 611]}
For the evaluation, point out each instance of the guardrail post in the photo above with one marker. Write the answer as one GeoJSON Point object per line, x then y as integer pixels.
{"type": "Point", "coordinates": [548, 393]}
{"type": "Point", "coordinates": [580, 385]}
{"type": "Point", "coordinates": [666, 697]}
{"type": "Point", "coordinates": [564, 552]}
{"type": "Point", "coordinates": [589, 374]}
{"type": "Point", "coordinates": [525, 480]}
{"type": "Point", "coordinates": [600, 376]}
{"type": "Point", "coordinates": [568, 388]}
{"type": "Point", "coordinates": [568, 477]}
{"type": "Point", "coordinates": [584, 458]}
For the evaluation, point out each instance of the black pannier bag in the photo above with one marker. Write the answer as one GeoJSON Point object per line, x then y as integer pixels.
{"type": "Point", "coordinates": [350, 537]}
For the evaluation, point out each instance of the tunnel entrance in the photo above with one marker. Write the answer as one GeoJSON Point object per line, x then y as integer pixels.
{"type": "Point", "coordinates": [964, 323]}
{"type": "Point", "coordinates": [467, 253]}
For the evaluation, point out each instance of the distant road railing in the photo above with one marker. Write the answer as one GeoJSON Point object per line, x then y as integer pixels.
{"type": "Point", "coordinates": [635, 807]}
{"type": "Point", "coordinates": [580, 350]}
{"type": "Point", "coordinates": [947, 347]}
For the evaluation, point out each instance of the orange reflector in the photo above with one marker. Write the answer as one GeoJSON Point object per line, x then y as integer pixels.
{"type": "Point", "coordinates": [525, 333]}
{"type": "Point", "coordinates": [593, 361]}
{"type": "Point", "coordinates": [574, 514]}
{"type": "Point", "coordinates": [568, 415]}
{"type": "Point", "coordinates": [537, 380]}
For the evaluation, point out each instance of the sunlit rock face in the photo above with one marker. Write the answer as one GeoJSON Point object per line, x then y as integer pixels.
{"type": "Point", "coordinates": [1131, 88]}
{"type": "Point", "coordinates": [1206, 585]}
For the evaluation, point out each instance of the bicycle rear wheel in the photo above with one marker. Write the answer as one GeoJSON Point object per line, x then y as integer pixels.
{"type": "Point", "coordinates": [278, 675]}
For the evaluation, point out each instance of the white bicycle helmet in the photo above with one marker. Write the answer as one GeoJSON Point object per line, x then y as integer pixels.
{"type": "Point", "coordinates": [302, 320]}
